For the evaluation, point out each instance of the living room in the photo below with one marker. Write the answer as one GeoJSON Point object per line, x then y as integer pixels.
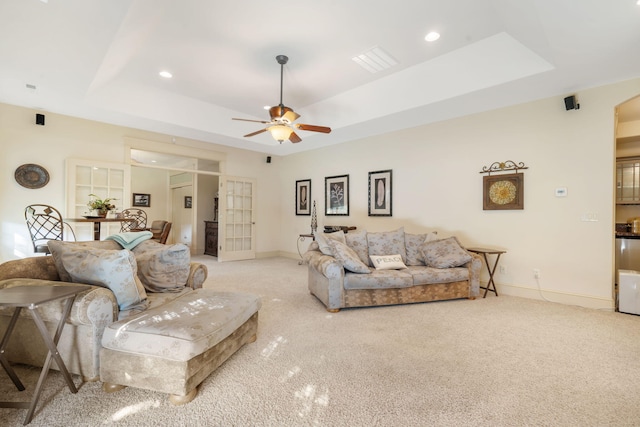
{"type": "Point", "coordinates": [564, 232]}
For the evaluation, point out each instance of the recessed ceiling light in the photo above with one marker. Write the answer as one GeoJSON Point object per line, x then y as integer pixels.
{"type": "Point", "coordinates": [165, 74]}
{"type": "Point", "coordinates": [432, 36]}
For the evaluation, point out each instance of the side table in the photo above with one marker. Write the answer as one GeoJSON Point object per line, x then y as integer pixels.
{"type": "Point", "coordinates": [484, 252]}
{"type": "Point", "coordinates": [30, 298]}
{"type": "Point", "coordinates": [301, 239]}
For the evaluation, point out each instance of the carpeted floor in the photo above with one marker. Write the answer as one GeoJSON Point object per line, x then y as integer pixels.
{"type": "Point", "coordinates": [501, 361]}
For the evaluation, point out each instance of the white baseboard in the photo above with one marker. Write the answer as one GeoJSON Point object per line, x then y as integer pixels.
{"type": "Point", "coordinates": [587, 301]}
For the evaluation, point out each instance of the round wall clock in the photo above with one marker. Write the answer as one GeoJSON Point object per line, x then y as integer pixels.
{"type": "Point", "coordinates": [32, 176]}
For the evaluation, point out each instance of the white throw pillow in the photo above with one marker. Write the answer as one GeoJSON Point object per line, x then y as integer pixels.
{"type": "Point", "coordinates": [387, 262]}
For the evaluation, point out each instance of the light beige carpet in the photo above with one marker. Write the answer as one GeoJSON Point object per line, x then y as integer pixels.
{"type": "Point", "coordinates": [501, 361]}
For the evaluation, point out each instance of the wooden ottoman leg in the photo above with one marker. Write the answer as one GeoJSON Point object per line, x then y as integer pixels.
{"type": "Point", "coordinates": [181, 400]}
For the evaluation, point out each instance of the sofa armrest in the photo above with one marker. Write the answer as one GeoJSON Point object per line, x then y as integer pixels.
{"type": "Point", "coordinates": [197, 275]}
{"type": "Point", "coordinates": [39, 267]}
{"type": "Point", "coordinates": [475, 267]}
{"type": "Point", "coordinates": [327, 265]}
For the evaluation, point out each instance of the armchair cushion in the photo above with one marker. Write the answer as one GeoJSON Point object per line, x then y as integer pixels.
{"type": "Point", "coordinates": [445, 253]}
{"type": "Point", "coordinates": [113, 269]}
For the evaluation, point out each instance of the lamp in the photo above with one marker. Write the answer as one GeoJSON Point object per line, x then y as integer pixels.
{"type": "Point", "coordinates": [280, 132]}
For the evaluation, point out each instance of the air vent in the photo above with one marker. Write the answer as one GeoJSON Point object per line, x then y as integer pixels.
{"type": "Point", "coordinates": [375, 60]}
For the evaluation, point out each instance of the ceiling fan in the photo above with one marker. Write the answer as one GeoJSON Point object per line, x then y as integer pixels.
{"type": "Point", "coordinates": [282, 121]}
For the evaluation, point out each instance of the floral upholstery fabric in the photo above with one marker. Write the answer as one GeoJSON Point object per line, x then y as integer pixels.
{"type": "Point", "coordinates": [378, 279]}
{"type": "Point", "coordinates": [347, 257]}
{"type": "Point", "coordinates": [323, 240]}
{"type": "Point", "coordinates": [357, 240]}
{"type": "Point", "coordinates": [183, 328]}
{"type": "Point", "coordinates": [57, 248]}
{"type": "Point", "coordinates": [413, 242]}
{"type": "Point", "coordinates": [387, 243]}
{"type": "Point", "coordinates": [113, 269]}
{"type": "Point", "coordinates": [429, 275]}
{"type": "Point", "coordinates": [445, 253]}
{"type": "Point", "coordinates": [162, 268]}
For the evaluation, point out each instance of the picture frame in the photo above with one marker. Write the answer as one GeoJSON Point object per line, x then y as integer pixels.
{"type": "Point", "coordinates": [188, 202]}
{"type": "Point", "coordinates": [503, 192]}
{"type": "Point", "coordinates": [141, 200]}
{"type": "Point", "coordinates": [303, 197]}
{"type": "Point", "coordinates": [336, 195]}
{"type": "Point", "coordinates": [380, 193]}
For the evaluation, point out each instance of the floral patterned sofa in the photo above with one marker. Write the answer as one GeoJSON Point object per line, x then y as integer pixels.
{"type": "Point", "coordinates": [157, 274]}
{"type": "Point", "coordinates": [360, 269]}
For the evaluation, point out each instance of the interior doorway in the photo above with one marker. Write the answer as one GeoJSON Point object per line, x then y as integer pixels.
{"type": "Point", "coordinates": [182, 217]}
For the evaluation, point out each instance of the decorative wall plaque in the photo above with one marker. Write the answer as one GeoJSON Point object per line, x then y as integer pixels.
{"type": "Point", "coordinates": [31, 176]}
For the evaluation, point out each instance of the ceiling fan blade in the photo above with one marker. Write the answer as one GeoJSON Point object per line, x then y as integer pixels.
{"type": "Point", "coordinates": [294, 137]}
{"type": "Point", "coordinates": [291, 116]}
{"type": "Point", "coordinates": [313, 128]}
{"type": "Point", "coordinates": [256, 132]}
{"type": "Point", "coordinates": [247, 120]}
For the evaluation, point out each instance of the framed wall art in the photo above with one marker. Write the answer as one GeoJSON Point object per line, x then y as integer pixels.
{"type": "Point", "coordinates": [141, 200]}
{"type": "Point", "coordinates": [188, 202]}
{"type": "Point", "coordinates": [380, 192]}
{"type": "Point", "coordinates": [336, 195]}
{"type": "Point", "coordinates": [303, 196]}
{"type": "Point", "coordinates": [503, 192]}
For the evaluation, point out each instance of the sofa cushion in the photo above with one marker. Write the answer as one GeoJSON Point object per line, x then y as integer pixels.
{"type": "Point", "coordinates": [444, 253]}
{"type": "Point", "coordinates": [323, 240]}
{"type": "Point", "coordinates": [347, 257]}
{"type": "Point", "coordinates": [162, 268]}
{"type": "Point", "coordinates": [413, 242]}
{"type": "Point", "coordinates": [357, 240]}
{"type": "Point", "coordinates": [110, 268]}
{"type": "Point", "coordinates": [387, 242]}
{"type": "Point", "coordinates": [423, 275]}
{"type": "Point", "coordinates": [387, 262]}
{"type": "Point", "coordinates": [57, 247]}
{"type": "Point", "coordinates": [378, 279]}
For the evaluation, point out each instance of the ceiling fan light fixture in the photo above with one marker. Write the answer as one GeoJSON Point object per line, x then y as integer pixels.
{"type": "Point", "coordinates": [280, 132]}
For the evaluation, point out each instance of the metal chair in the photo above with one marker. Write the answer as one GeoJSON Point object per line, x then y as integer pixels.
{"type": "Point", "coordinates": [44, 223]}
{"type": "Point", "coordinates": [138, 215]}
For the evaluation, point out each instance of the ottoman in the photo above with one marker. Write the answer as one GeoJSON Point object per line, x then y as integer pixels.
{"type": "Point", "coordinates": [174, 347]}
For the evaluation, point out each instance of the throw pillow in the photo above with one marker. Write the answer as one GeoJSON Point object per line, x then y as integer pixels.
{"type": "Point", "coordinates": [57, 248]}
{"type": "Point", "coordinates": [387, 262]}
{"type": "Point", "coordinates": [413, 243]}
{"type": "Point", "coordinates": [388, 242]}
{"type": "Point", "coordinates": [445, 253]}
{"type": "Point", "coordinates": [109, 268]}
{"type": "Point", "coordinates": [357, 240]}
{"type": "Point", "coordinates": [322, 239]}
{"type": "Point", "coordinates": [347, 257]}
{"type": "Point", "coordinates": [163, 268]}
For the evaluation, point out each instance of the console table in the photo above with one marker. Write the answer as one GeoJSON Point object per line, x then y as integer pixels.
{"type": "Point", "coordinates": [30, 298]}
{"type": "Point", "coordinates": [484, 252]}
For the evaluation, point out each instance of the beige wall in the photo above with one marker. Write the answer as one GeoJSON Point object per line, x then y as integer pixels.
{"type": "Point", "coordinates": [63, 137]}
{"type": "Point", "coordinates": [437, 186]}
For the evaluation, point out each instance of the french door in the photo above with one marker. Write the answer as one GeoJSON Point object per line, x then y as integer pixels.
{"type": "Point", "coordinates": [237, 231]}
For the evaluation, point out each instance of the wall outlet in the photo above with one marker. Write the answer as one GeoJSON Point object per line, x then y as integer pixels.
{"type": "Point", "coordinates": [503, 269]}
{"type": "Point", "coordinates": [536, 273]}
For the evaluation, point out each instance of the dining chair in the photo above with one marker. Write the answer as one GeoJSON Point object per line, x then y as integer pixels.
{"type": "Point", "coordinates": [160, 229]}
{"type": "Point", "coordinates": [140, 220]}
{"type": "Point", "coordinates": [44, 223]}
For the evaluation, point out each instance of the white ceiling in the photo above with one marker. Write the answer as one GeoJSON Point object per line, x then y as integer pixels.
{"type": "Point", "coordinates": [100, 60]}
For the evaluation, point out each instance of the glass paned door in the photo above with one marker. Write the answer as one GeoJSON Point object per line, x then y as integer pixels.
{"type": "Point", "coordinates": [236, 219]}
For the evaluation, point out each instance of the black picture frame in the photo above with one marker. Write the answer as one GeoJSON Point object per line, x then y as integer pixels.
{"type": "Point", "coordinates": [336, 195]}
{"type": "Point", "coordinates": [141, 200]}
{"type": "Point", "coordinates": [503, 192]}
{"type": "Point", "coordinates": [381, 193]}
{"type": "Point", "coordinates": [303, 197]}
{"type": "Point", "coordinates": [188, 202]}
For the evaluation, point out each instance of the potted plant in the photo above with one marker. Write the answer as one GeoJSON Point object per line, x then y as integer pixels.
{"type": "Point", "coordinates": [100, 206]}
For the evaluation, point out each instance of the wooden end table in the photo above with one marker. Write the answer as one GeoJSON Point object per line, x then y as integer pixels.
{"type": "Point", "coordinates": [30, 298]}
{"type": "Point", "coordinates": [484, 252]}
